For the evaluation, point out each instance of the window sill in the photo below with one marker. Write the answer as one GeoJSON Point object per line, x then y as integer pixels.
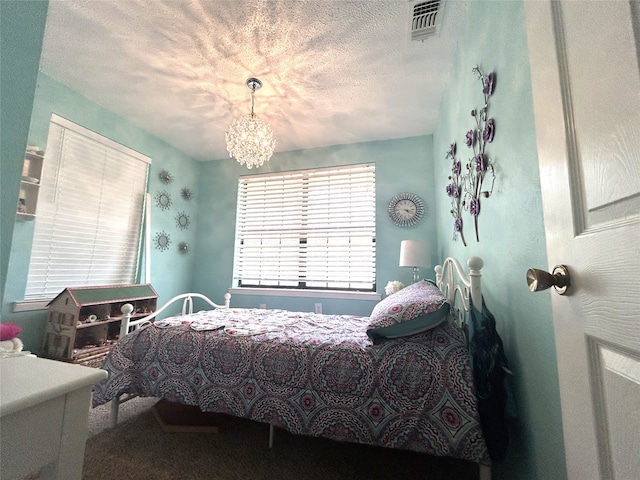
{"type": "Point", "coordinates": [283, 292]}
{"type": "Point", "coordinates": [30, 305]}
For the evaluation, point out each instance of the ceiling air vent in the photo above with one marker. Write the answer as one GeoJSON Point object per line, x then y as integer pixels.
{"type": "Point", "coordinates": [425, 18]}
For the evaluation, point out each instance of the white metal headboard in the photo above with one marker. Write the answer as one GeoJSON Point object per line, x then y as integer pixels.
{"type": "Point", "coordinates": [459, 286]}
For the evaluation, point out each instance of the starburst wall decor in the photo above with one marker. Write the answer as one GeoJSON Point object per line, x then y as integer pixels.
{"type": "Point", "coordinates": [165, 177]}
{"type": "Point", "coordinates": [467, 188]}
{"type": "Point", "coordinates": [186, 193]}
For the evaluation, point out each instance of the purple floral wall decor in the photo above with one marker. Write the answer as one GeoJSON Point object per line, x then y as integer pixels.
{"type": "Point", "coordinates": [467, 188]}
{"type": "Point", "coordinates": [454, 191]}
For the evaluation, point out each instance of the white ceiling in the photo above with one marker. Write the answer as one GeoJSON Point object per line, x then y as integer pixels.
{"type": "Point", "coordinates": [334, 71]}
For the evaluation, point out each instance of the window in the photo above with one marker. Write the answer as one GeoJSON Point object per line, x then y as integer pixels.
{"type": "Point", "coordinates": [89, 215]}
{"type": "Point", "coordinates": [310, 229]}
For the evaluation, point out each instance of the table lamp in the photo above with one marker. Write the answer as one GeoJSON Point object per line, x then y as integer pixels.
{"type": "Point", "coordinates": [414, 253]}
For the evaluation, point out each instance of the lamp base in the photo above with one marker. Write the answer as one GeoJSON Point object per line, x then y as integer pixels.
{"type": "Point", "coordinates": [415, 274]}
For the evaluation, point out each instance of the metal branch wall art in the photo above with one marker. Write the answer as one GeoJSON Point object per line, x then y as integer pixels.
{"type": "Point", "coordinates": [454, 190]}
{"type": "Point", "coordinates": [468, 188]}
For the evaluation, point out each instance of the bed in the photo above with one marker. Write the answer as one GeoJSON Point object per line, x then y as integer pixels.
{"type": "Point", "coordinates": [400, 378]}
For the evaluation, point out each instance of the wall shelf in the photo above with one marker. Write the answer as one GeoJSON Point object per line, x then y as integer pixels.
{"type": "Point", "coordinates": [30, 184]}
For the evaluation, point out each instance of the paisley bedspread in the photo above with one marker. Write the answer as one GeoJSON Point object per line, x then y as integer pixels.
{"type": "Point", "coordinates": [310, 374]}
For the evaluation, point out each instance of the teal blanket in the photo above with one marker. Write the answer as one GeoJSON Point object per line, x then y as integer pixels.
{"type": "Point", "coordinates": [490, 368]}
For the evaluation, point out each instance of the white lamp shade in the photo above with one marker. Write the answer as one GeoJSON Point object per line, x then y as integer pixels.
{"type": "Point", "coordinates": [414, 253]}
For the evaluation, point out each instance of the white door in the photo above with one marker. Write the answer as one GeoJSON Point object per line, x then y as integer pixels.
{"type": "Point", "coordinates": [586, 90]}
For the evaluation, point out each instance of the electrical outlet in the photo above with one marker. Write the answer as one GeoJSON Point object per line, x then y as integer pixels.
{"type": "Point", "coordinates": [263, 306]}
{"type": "Point", "coordinates": [318, 308]}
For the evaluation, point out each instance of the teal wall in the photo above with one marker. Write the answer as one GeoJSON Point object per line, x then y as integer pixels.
{"type": "Point", "coordinates": [512, 235]}
{"type": "Point", "coordinates": [170, 270]}
{"type": "Point", "coordinates": [21, 32]}
{"type": "Point", "coordinates": [401, 165]}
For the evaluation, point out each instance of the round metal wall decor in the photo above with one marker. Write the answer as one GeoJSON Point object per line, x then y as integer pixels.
{"type": "Point", "coordinates": [163, 200]}
{"type": "Point", "coordinates": [182, 221]}
{"type": "Point", "coordinates": [162, 241]}
{"type": "Point", "coordinates": [406, 209]}
{"type": "Point", "coordinates": [183, 247]}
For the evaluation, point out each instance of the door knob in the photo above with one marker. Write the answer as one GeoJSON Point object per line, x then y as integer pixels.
{"type": "Point", "coordinates": [559, 279]}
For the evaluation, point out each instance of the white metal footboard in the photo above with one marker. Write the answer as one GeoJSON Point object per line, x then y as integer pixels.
{"type": "Point", "coordinates": [127, 325]}
{"type": "Point", "coordinates": [187, 307]}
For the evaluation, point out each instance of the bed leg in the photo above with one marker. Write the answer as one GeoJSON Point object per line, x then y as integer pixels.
{"type": "Point", "coordinates": [113, 417]}
{"type": "Point", "coordinates": [271, 431]}
{"type": "Point", "coordinates": [485, 472]}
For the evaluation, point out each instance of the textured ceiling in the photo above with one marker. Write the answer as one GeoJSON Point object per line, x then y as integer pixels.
{"type": "Point", "coordinates": [334, 71]}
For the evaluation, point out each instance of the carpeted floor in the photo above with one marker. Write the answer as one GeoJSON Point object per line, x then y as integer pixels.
{"type": "Point", "coordinates": [138, 449]}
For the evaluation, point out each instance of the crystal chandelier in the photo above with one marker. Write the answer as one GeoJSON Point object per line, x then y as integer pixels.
{"type": "Point", "coordinates": [249, 140]}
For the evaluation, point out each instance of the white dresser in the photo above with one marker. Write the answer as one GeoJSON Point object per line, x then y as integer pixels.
{"type": "Point", "coordinates": [44, 409]}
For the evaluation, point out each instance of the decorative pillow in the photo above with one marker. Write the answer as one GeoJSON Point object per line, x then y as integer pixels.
{"type": "Point", "coordinates": [414, 309]}
{"type": "Point", "coordinates": [9, 331]}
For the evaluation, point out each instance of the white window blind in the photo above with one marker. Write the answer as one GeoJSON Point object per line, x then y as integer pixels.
{"type": "Point", "coordinates": [307, 229]}
{"type": "Point", "coordinates": [89, 214]}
